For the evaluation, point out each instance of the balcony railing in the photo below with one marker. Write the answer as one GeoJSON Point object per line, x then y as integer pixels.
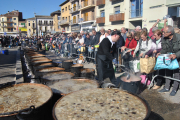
{"type": "Point", "coordinates": [74, 9]}
{"type": "Point", "coordinates": [100, 20]}
{"type": "Point", "coordinates": [73, 22]}
{"type": "Point", "coordinates": [7, 21]}
{"type": "Point", "coordinates": [100, 2]}
{"type": "Point", "coordinates": [136, 13]}
{"type": "Point", "coordinates": [63, 22]}
{"type": "Point", "coordinates": [45, 24]}
{"type": "Point", "coordinates": [116, 17]}
{"type": "Point", "coordinates": [87, 4]}
{"type": "Point", "coordinates": [7, 26]}
{"type": "Point", "coordinates": [86, 18]}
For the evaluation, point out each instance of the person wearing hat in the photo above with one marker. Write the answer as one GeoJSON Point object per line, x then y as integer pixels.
{"type": "Point", "coordinates": [104, 58]}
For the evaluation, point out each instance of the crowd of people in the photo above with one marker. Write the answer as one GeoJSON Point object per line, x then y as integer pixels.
{"type": "Point", "coordinates": [130, 44]}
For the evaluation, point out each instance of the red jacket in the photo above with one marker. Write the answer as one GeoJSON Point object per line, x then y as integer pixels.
{"type": "Point", "coordinates": [131, 45]}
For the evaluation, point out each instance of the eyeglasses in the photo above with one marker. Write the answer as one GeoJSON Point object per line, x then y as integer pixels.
{"type": "Point", "coordinates": [129, 37]}
{"type": "Point", "coordinates": [165, 32]}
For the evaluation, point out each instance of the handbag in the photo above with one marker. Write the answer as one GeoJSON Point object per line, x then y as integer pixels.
{"type": "Point", "coordinates": [144, 77]}
{"type": "Point", "coordinates": [147, 65]}
{"type": "Point", "coordinates": [164, 62]}
{"type": "Point", "coordinates": [133, 64]}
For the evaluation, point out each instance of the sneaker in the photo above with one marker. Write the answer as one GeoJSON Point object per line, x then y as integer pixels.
{"type": "Point", "coordinates": [156, 87]}
{"type": "Point", "coordinates": [173, 93]}
{"type": "Point", "coordinates": [164, 90]}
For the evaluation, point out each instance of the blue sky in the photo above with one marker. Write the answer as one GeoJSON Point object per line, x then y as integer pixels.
{"type": "Point", "coordinates": [28, 7]}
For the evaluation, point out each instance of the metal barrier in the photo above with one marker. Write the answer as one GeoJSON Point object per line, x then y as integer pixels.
{"type": "Point", "coordinates": [163, 77]}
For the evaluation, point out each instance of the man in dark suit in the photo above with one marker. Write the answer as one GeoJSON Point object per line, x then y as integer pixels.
{"type": "Point", "coordinates": [95, 38]}
{"type": "Point", "coordinates": [104, 58]}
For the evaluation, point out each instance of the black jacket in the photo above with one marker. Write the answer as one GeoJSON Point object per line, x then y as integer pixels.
{"type": "Point", "coordinates": [95, 41]}
{"type": "Point", "coordinates": [120, 42]}
{"type": "Point", "coordinates": [172, 46]}
{"type": "Point", "coordinates": [105, 49]}
{"type": "Point", "coordinates": [87, 41]}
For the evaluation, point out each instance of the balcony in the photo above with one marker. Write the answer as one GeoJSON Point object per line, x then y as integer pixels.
{"type": "Point", "coordinates": [116, 17]}
{"type": "Point", "coordinates": [41, 24]}
{"type": "Point", "coordinates": [8, 21]}
{"type": "Point", "coordinates": [172, 3]}
{"type": "Point", "coordinates": [86, 18]}
{"type": "Point", "coordinates": [7, 26]}
{"type": "Point", "coordinates": [100, 20]}
{"type": "Point", "coordinates": [72, 22]}
{"type": "Point", "coordinates": [87, 4]}
{"type": "Point", "coordinates": [136, 13]}
{"type": "Point", "coordinates": [74, 9]}
{"type": "Point", "coordinates": [64, 22]}
{"type": "Point", "coordinates": [100, 2]}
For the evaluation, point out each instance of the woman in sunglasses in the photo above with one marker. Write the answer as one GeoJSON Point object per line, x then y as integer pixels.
{"type": "Point", "coordinates": [129, 48]}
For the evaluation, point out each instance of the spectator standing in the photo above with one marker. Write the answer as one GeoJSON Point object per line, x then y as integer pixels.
{"type": "Point", "coordinates": [102, 35]}
{"type": "Point", "coordinates": [138, 29]}
{"type": "Point", "coordinates": [171, 44]}
{"type": "Point", "coordinates": [123, 33]}
{"type": "Point", "coordinates": [143, 46]}
{"type": "Point", "coordinates": [156, 48]}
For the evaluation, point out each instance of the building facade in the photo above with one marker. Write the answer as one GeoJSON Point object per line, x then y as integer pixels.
{"type": "Point", "coordinates": [31, 26]}
{"type": "Point", "coordinates": [75, 15]}
{"type": "Point", "coordinates": [65, 17]}
{"type": "Point", "coordinates": [39, 25]}
{"type": "Point", "coordinates": [174, 11]}
{"type": "Point", "coordinates": [88, 15]}
{"type": "Point", "coordinates": [56, 20]}
{"type": "Point", "coordinates": [115, 14]}
{"type": "Point", "coordinates": [110, 14]}
{"type": "Point", "coordinates": [22, 28]}
{"type": "Point", "coordinates": [44, 25]}
{"type": "Point", "coordinates": [9, 23]}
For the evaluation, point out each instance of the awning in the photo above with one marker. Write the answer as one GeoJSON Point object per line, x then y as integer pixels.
{"type": "Point", "coordinates": [23, 29]}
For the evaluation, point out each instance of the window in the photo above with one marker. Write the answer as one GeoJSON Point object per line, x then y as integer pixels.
{"type": "Point", "coordinates": [8, 28]}
{"type": "Point", "coordinates": [14, 23]}
{"type": "Point", "coordinates": [29, 24]}
{"type": "Point", "coordinates": [59, 27]}
{"type": "Point", "coordinates": [2, 19]}
{"type": "Point", "coordinates": [102, 13]}
{"type": "Point", "coordinates": [66, 8]}
{"type": "Point", "coordinates": [63, 18]}
{"type": "Point", "coordinates": [52, 22]}
{"type": "Point", "coordinates": [62, 10]}
{"type": "Point", "coordinates": [66, 18]}
{"type": "Point", "coordinates": [14, 19]}
{"type": "Point", "coordinates": [69, 7]}
{"type": "Point", "coordinates": [69, 18]}
{"type": "Point", "coordinates": [59, 17]}
{"type": "Point", "coordinates": [14, 28]}
{"type": "Point", "coordinates": [117, 9]}
{"type": "Point", "coordinates": [28, 21]}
